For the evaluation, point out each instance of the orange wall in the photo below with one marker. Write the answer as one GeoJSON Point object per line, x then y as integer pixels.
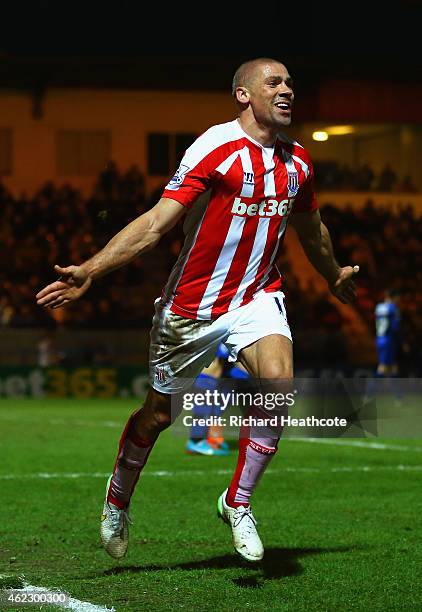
{"type": "Point", "coordinates": [128, 115]}
{"type": "Point", "coordinates": [400, 146]}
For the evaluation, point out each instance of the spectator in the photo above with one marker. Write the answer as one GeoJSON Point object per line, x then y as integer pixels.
{"type": "Point", "coordinates": [48, 353]}
{"type": "Point", "coordinates": [387, 179]}
{"type": "Point", "coordinates": [406, 185]}
{"type": "Point", "coordinates": [364, 178]}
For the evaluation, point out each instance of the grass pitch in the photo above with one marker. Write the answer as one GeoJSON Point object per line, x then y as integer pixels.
{"type": "Point", "coordinates": [340, 523]}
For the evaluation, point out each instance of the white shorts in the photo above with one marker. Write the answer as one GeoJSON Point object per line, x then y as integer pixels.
{"type": "Point", "coordinates": [180, 348]}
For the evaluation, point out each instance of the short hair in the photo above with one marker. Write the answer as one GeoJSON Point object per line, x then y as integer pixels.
{"type": "Point", "coordinates": [244, 73]}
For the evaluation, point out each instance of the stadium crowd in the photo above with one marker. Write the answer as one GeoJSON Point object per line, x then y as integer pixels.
{"type": "Point", "coordinates": [386, 246]}
{"type": "Point", "coordinates": [332, 176]}
{"type": "Point", "coordinates": [59, 225]}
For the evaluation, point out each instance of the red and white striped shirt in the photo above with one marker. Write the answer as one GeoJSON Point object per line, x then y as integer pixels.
{"type": "Point", "coordinates": [233, 237]}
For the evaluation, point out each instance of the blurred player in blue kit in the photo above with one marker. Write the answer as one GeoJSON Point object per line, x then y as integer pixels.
{"type": "Point", "coordinates": [205, 439]}
{"type": "Point", "coordinates": [388, 344]}
{"type": "Point", "coordinates": [387, 323]}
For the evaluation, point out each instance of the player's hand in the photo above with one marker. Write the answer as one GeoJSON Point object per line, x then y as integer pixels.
{"type": "Point", "coordinates": [344, 288]}
{"type": "Point", "coordinates": [73, 283]}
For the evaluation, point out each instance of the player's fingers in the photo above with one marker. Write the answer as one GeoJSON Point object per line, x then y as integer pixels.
{"type": "Point", "coordinates": [344, 281]}
{"type": "Point", "coordinates": [47, 299]}
{"type": "Point", "coordinates": [44, 291]}
{"type": "Point", "coordinates": [60, 301]}
{"type": "Point", "coordinates": [46, 294]}
{"type": "Point", "coordinates": [346, 274]}
{"type": "Point", "coordinates": [350, 272]}
{"type": "Point", "coordinates": [61, 270]}
{"type": "Point", "coordinates": [58, 304]}
{"type": "Point", "coordinates": [56, 286]}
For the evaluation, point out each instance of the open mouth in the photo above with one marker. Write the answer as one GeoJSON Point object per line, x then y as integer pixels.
{"type": "Point", "coordinates": [284, 105]}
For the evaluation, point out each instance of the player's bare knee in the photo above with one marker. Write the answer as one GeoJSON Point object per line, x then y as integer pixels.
{"type": "Point", "coordinates": [275, 370]}
{"type": "Point", "coordinates": [162, 417]}
{"type": "Point", "coordinates": [160, 405]}
{"type": "Point", "coordinates": [157, 410]}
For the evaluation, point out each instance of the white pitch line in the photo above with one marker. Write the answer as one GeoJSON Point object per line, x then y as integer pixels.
{"type": "Point", "coordinates": [48, 475]}
{"type": "Point", "coordinates": [72, 604]}
{"type": "Point", "coordinates": [169, 474]}
{"type": "Point", "coordinates": [82, 423]}
{"type": "Point", "coordinates": [67, 422]}
{"type": "Point", "coordinates": [333, 441]}
{"type": "Point", "coordinates": [370, 445]}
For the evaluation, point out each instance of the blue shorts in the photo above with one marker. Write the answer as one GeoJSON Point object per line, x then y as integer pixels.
{"type": "Point", "coordinates": [387, 352]}
{"type": "Point", "coordinates": [236, 372]}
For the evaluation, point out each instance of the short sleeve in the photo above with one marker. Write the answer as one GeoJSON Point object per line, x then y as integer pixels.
{"type": "Point", "coordinates": [196, 170]}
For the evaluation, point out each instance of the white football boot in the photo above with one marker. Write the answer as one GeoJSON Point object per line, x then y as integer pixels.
{"type": "Point", "coordinates": [114, 528]}
{"type": "Point", "coordinates": [246, 540]}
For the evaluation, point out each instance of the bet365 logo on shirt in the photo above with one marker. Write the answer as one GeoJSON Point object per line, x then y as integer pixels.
{"type": "Point", "coordinates": [266, 208]}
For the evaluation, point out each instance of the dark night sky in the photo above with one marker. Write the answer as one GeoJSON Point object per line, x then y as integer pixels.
{"type": "Point", "coordinates": [46, 27]}
{"type": "Point", "coordinates": [381, 43]}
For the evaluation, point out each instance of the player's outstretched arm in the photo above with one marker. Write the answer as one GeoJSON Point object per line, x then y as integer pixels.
{"type": "Point", "coordinates": [137, 237]}
{"type": "Point", "coordinates": [316, 242]}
